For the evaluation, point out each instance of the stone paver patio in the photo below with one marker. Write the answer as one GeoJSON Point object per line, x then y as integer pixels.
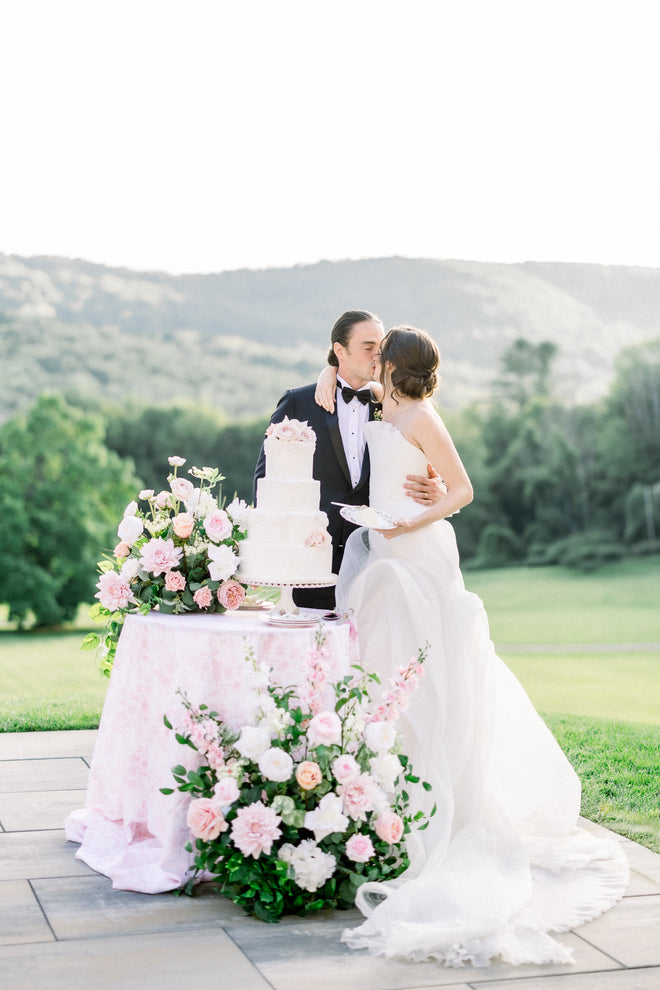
{"type": "Point", "coordinates": [63, 927]}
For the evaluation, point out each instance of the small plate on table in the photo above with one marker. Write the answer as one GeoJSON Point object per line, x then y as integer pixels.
{"type": "Point", "coordinates": [292, 620]}
{"type": "Point", "coordinates": [366, 515]}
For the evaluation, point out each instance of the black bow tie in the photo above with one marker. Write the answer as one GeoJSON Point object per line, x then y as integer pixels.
{"type": "Point", "coordinates": [363, 395]}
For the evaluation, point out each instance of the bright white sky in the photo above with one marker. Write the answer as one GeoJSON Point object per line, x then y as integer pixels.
{"type": "Point", "coordinates": [204, 135]}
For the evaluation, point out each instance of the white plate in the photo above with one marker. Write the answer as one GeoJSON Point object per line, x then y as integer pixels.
{"type": "Point", "coordinates": [292, 621]}
{"type": "Point", "coordinates": [366, 515]}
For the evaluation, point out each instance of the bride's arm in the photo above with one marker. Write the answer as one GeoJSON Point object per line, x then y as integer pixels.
{"type": "Point", "coordinates": [326, 389]}
{"type": "Point", "coordinates": [432, 436]}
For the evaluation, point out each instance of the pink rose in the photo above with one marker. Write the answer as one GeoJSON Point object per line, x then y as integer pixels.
{"type": "Point", "coordinates": [203, 597]}
{"type": "Point", "coordinates": [359, 796]}
{"type": "Point", "coordinates": [147, 493]}
{"type": "Point", "coordinates": [183, 525]}
{"type": "Point", "coordinates": [175, 581]}
{"type": "Point", "coordinates": [163, 500]}
{"type": "Point", "coordinates": [317, 538]}
{"type": "Point", "coordinates": [205, 819]}
{"type": "Point", "coordinates": [218, 525]}
{"type": "Point", "coordinates": [176, 461]}
{"type": "Point", "coordinates": [159, 556]}
{"type": "Point", "coordinates": [359, 848]}
{"type": "Point", "coordinates": [226, 791]}
{"type": "Point", "coordinates": [255, 828]}
{"type": "Point", "coordinates": [182, 488]}
{"type": "Point", "coordinates": [114, 591]}
{"type": "Point", "coordinates": [324, 729]}
{"type": "Point", "coordinates": [389, 827]}
{"type": "Point", "coordinates": [345, 768]}
{"type": "Point", "coordinates": [308, 775]}
{"type": "Point", "coordinates": [122, 550]}
{"type": "Point", "coordinates": [231, 594]}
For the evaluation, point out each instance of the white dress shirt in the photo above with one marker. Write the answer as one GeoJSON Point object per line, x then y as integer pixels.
{"type": "Point", "coordinates": [351, 417]}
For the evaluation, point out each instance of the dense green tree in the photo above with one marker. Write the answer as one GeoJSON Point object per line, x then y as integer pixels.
{"type": "Point", "coordinates": [62, 493]}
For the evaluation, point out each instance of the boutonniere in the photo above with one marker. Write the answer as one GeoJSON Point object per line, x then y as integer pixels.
{"type": "Point", "coordinates": [378, 412]}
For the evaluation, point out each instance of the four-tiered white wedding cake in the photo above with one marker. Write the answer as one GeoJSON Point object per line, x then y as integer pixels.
{"type": "Point", "coordinates": [287, 535]}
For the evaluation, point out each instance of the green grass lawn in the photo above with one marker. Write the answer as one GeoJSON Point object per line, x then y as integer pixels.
{"type": "Point", "coordinates": [603, 705]}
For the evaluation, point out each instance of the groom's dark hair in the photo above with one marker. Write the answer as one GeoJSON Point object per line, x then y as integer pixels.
{"type": "Point", "coordinates": [341, 331]}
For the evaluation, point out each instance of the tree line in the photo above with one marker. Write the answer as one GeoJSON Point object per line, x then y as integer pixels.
{"type": "Point", "coordinates": [574, 485]}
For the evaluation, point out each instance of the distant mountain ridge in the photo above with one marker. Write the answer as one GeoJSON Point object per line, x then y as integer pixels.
{"type": "Point", "coordinates": [193, 335]}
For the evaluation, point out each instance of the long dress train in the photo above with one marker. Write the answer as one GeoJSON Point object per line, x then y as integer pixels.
{"type": "Point", "coordinates": [503, 862]}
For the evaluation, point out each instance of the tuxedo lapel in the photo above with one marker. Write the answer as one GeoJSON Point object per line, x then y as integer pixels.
{"type": "Point", "coordinates": [338, 447]}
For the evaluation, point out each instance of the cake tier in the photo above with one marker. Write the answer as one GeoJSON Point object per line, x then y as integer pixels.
{"type": "Point", "coordinates": [280, 563]}
{"type": "Point", "coordinates": [289, 460]}
{"type": "Point", "coordinates": [275, 495]}
{"type": "Point", "coordinates": [290, 528]}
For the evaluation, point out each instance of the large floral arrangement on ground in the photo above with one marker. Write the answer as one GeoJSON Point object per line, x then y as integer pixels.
{"type": "Point", "coordinates": [178, 554]}
{"type": "Point", "coordinates": [298, 808]}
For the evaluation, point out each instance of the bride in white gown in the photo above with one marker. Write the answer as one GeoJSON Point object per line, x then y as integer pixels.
{"type": "Point", "coordinates": [503, 862]}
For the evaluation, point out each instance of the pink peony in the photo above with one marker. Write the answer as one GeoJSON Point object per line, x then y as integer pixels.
{"type": "Point", "coordinates": [308, 775]}
{"type": "Point", "coordinates": [359, 848]}
{"type": "Point", "coordinates": [114, 591]}
{"type": "Point", "coordinates": [345, 768]}
{"type": "Point", "coordinates": [359, 796]}
{"type": "Point", "coordinates": [203, 597]}
{"type": "Point", "coordinates": [175, 581]}
{"type": "Point", "coordinates": [218, 525]}
{"type": "Point", "coordinates": [183, 525]}
{"type": "Point", "coordinates": [255, 828]}
{"type": "Point", "coordinates": [205, 819]}
{"type": "Point", "coordinates": [389, 827]}
{"type": "Point", "coordinates": [159, 556]}
{"type": "Point", "coordinates": [182, 488]}
{"type": "Point", "coordinates": [324, 729]}
{"type": "Point", "coordinates": [122, 550]}
{"type": "Point", "coordinates": [231, 594]}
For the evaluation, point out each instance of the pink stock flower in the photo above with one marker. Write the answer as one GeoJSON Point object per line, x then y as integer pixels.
{"type": "Point", "coordinates": [203, 597]}
{"type": "Point", "coordinates": [254, 829]}
{"type": "Point", "coordinates": [324, 729]}
{"type": "Point", "coordinates": [205, 819]}
{"type": "Point", "coordinates": [114, 591]}
{"type": "Point", "coordinates": [389, 827]}
{"type": "Point", "coordinates": [231, 594]}
{"type": "Point", "coordinates": [360, 848]}
{"type": "Point", "coordinates": [175, 581]}
{"type": "Point", "coordinates": [218, 525]}
{"type": "Point", "coordinates": [359, 795]}
{"type": "Point", "coordinates": [183, 525]}
{"type": "Point", "coordinates": [308, 775]}
{"type": "Point", "coordinates": [182, 488]}
{"type": "Point", "coordinates": [122, 550]}
{"type": "Point", "coordinates": [159, 556]}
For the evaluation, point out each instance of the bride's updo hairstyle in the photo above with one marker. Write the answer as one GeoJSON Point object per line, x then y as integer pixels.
{"type": "Point", "coordinates": [414, 357]}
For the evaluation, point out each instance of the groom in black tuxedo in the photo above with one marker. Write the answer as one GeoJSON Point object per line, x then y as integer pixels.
{"type": "Point", "coordinates": [341, 458]}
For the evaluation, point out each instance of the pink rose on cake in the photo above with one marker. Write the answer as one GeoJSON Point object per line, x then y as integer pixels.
{"type": "Point", "coordinates": [218, 525]}
{"type": "Point", "coordinates": [317, 538]}
{"type": "Point", "coordinates": [290, 429]}
{"type": "Point", "coordinates": [159, 556]}
{"type": "Point", "coordinates": [231, 594]}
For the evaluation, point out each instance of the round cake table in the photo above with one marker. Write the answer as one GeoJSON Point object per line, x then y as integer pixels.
{"type": "Point", "coordinates": [128, 830]}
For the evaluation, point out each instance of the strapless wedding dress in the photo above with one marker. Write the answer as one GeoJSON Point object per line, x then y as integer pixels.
{"type": "Point", "coordinates": [503, 862]}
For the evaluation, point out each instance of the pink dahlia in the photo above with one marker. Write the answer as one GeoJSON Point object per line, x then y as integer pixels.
{"type": "Point", "coordinates": [255, 828]}
{"type": "Point", "coordinates": [114, 591]}
{"type": "Point", "coordinates": [159, 556]}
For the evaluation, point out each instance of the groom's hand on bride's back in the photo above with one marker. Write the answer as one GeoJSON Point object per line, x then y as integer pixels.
{"type": "Point", "coordinates": [425, 490]}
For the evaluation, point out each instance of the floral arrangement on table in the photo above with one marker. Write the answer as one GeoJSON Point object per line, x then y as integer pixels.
{"type": "Point", "coordinates": [179, 554]}
{"type": "Point", "coordinates": [298, 808]}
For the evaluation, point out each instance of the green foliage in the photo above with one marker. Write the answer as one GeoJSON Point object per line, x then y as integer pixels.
{"type": "Point", "coordinates": [61, 492]}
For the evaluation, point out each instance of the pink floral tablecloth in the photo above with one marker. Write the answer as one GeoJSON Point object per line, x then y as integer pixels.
{"type": "Point", "coordinates": [128, 830]}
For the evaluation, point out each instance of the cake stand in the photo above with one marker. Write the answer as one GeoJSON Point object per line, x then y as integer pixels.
{"type": "Point", "coordinates": [286, 608]}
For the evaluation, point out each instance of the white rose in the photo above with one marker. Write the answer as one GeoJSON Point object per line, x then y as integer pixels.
{"type": "Point", "coordinates": [130, 568]}
{"type": "Point", "coordinates": [276, 765]}
{"type": "Point", "coordinates": [385, 769]}
{"type": "Point", "coordinates": [380, 736]}
{"type": "Point", "coordinates": [130, 509]}
{"type": "Point", "coordinates": [327, 817]}
{"type": "Point", "coordinates": [130, 529]}
{"type": "Point", "coordinates": [253, 742]}
{"type": "Point", "coordinates": [223, 562]}
{"type": "Point", "coordinates": [238, 511]}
